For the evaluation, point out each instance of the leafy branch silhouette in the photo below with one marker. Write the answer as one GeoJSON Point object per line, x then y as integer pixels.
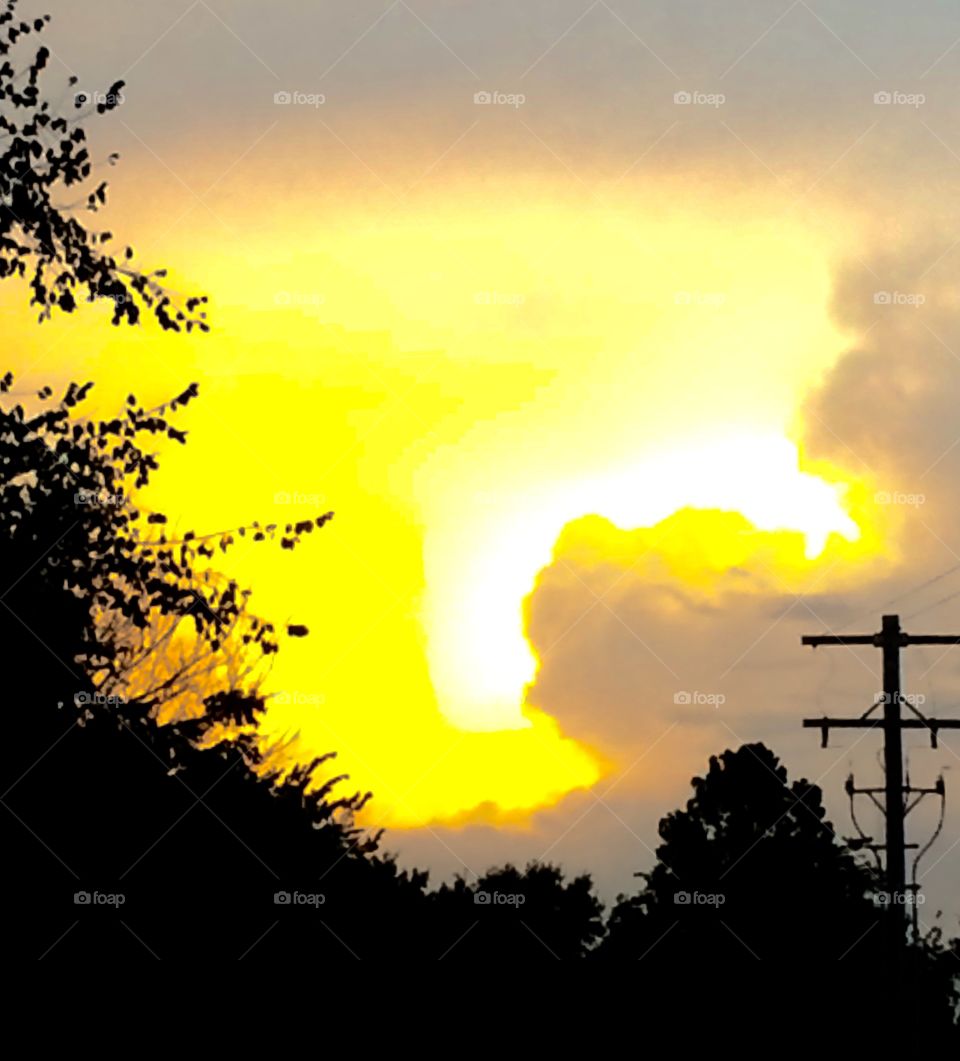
{"type": "Point", "coordinates": [45, 152]}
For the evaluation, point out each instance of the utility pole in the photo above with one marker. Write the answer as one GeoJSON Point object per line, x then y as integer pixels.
{"type": "Point", "coordinates": [890, 639]}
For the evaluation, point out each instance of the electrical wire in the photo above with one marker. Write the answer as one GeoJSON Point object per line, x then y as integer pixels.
{"type": "Point", "coordinates": [901, 596]}
{"type": "Point", "coordinates": [936, 604]}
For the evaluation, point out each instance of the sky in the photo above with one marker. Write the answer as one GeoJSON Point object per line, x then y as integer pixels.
{"type": "Point", "coordinates": [622, 338]}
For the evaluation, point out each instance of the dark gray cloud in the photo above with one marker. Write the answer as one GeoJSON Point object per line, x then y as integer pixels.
{"type": "Point", "coordinates": [798, 84]}
{"type": "Point", "coordinates": [888, 411]}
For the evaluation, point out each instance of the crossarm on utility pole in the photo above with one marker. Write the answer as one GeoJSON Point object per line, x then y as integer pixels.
{"type": "Point", "coordinates": [838, 639]}
{"type": "Point", "coordinates": [878, 723]}
{"type": "Point", "coordinates": [825, 724]}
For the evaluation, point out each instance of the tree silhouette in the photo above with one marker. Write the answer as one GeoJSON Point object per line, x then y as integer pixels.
{"type": "Point", "coordinates": [111, 627]}
{"type": "Point", "coordinates": [96, 582]}
{"type": "Point", "coordinates": [751, 864]}
{"type": "Point", "coordinates": [530, 915]}
{"type": "Point", "coordinates": [752, 869]}
{"type": "Point", "coordinates": [45, 155]}
{"type": "Point", "coordinates": [108, 625]}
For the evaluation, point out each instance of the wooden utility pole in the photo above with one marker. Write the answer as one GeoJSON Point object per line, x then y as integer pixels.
{"type": "Point", "coordinates": [890, 639]}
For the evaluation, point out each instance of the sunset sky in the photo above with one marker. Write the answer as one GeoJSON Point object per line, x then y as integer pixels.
{"type": "Point", "coordinates": [623, 340]}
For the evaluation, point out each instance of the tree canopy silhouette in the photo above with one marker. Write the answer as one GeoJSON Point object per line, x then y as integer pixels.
{"type": "Point", "coordinates": [110, 626]}
{"type": "Point", "coordinates": [135, 838]}
{"type": "Point", "coordinates": [531, 915]}
{"type": "Point", "coordinates": [44, 156]}
{"type": "Point", "coordinates": [751, 864]}
{"type": "Point", "coordinates": [752, 869]}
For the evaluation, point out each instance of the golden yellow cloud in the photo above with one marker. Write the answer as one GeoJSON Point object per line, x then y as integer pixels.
{"type": "Point", "coordinates": [458, 378]}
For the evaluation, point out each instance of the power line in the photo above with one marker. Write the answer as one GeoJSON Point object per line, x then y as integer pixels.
{"type": "Point", "coordinates": [901, 596]}
{"type": "Point", "coordinates": [936, 604]}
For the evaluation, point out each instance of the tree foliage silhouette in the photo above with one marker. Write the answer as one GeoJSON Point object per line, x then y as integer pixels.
{"type": "Point", "coordinates": [530, 915]}
{"type": "Point", "coordinates": [752, 869]}
{"type": "Point", "coordinates": [81, 551]}
{"type": "Point", "coordinates": [44, 155]}
{"type": "Point", "coordinates": [109, 625]}
{"type": "Point", "coordinates": [216, 847]}
{"type": "Point", "coordinates": [132, 762]}
{"type": "Point", "coordinates": [754, 853]}
{"type": "Point", "coordinates": [107, 622]}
